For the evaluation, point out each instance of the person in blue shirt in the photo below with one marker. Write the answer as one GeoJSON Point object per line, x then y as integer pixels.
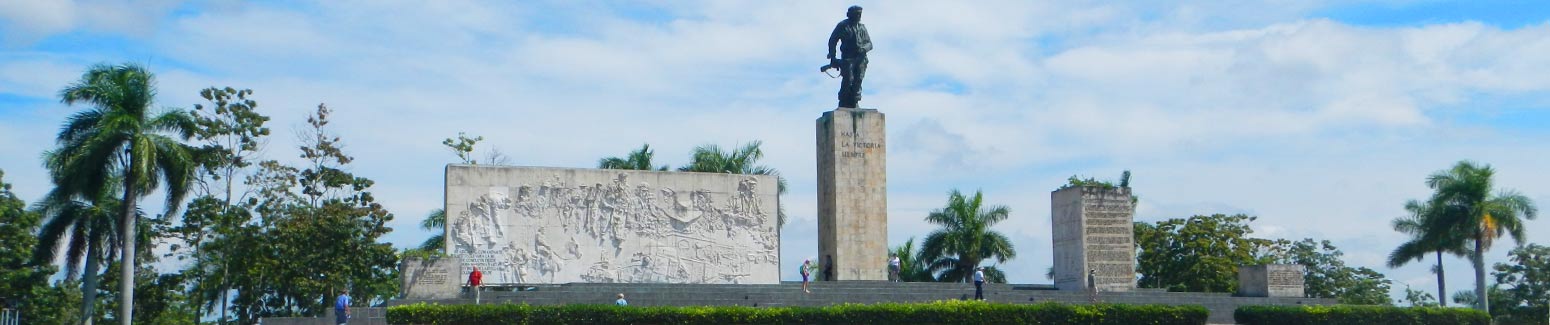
{"type": "Point", "coordinates": [342, 307]}
{"type": "Point", "coordinates": [621, 301]}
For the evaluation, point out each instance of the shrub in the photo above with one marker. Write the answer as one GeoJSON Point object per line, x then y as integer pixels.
{"type": "Point", "coordinates": [1358, 315]}
{"type": "Point", "coordinates": [941, 312]}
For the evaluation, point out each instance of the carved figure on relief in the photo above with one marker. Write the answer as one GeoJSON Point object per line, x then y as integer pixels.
{"type": "Point", "coordinates": [481, 223]}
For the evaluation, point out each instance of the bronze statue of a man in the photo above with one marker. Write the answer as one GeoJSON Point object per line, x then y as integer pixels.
{"type": "Point", "coordinates": [854, 44]}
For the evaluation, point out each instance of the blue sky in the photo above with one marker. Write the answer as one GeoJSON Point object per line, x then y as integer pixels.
{"type": "Point", "coordinates": [1320, 117]}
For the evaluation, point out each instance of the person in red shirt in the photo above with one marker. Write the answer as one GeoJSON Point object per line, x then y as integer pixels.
{"type": "Point", "coordinates": [474, 280]}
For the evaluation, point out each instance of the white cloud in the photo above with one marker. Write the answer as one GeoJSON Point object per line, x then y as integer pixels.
{"type": "Point", "coordinates": [28, 21]}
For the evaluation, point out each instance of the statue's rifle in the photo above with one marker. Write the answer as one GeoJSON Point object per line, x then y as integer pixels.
{"type": "Point", "coordinates": [834, 64]}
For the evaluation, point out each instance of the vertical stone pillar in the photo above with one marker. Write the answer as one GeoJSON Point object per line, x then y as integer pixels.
{"type": "Point", "coordinates": [852, 194]}
{"type": "Point", "coordinates": [1093, 230]}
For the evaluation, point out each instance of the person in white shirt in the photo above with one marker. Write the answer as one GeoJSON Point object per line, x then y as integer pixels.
{"type": "Point", "coordinates": [893, 268]}
{"type": "Point", "coordinates": [979, 283]}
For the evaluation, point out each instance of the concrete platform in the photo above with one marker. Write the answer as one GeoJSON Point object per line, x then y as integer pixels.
{"type": "Point", "coordinates": [863, 292]}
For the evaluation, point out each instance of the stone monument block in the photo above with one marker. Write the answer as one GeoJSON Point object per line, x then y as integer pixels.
{"type": "Point", "coordinates": [1093, 231]}
{"type": "Point", "coordinates": [1271, 280]}
{"type": "Point", "coordinates": [431, 278]}
{"type": "Point", "coordinates": [852, 194]}
{"type": "Point", "coordinates": [565, 225]}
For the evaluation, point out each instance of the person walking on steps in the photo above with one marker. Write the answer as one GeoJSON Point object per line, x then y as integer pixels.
{"type": "Point", "coordinates": [979, 283]}
{"type": "Point", "coordinates": [474, 280]}
{"type": "Point", "coordinates": [805, 266]}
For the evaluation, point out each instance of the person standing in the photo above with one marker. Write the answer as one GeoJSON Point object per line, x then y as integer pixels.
{"type": "Point", "coordinates": [854, 43]}
{"type": "Point", "coordinates": [828, 268]}
{"type": "Point", "coordinates": [342, 308]}
{"type": "Point", "coordinates": [475, 279]}
{"type": "Point", "coordinates": [893, 268]}
{"type": "Point", "coordinates": [621, 301]}
{"type": "Point", "coordinates": [805, 266]}
{"type": "Point", "coordinates": [979, 283]}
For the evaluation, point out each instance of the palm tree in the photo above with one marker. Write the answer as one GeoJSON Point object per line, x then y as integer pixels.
{"type": "Point", "coordinates": [1427, 235]}
{"type": "Point", "coordinates": [1425, 240]}
{"type": "Point", "coordinates": [120, 137]}
{"type": "Point", "coordinates": [92, 235]}
{"type": "Point", "coordinates": [1464, 193]}
{"type": "Point", "coordinates": [965, 238]}
{"type": "Point", "coordinates": [636, 160]}
{"type": "Point", "coordinates": [711, 158]}
{"type": "Point", "coordinates": [436, 222]}
{"type": "Point", "coordinates": [911, 267]}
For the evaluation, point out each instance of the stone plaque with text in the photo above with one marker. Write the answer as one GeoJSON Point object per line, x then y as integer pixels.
{"type": "Point", "coordinates": [1094, 232]}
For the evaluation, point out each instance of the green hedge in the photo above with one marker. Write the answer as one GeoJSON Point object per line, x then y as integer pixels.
{"type": "Point", "coordinates": [942, 312]}
{"type": "Point", "coordinates": [1358, 315]}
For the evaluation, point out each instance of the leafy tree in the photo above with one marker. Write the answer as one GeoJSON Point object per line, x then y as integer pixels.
{"type": "Point", "coordinates": [23, 281]}
{"type": "Point", "coordinates": [711, 158]}
{"type": "Point", "coordinates": [1074, 181]}
{"type": "Point", "coordinates": [1464, 192]}
{"type": "Point", "coordinates": [1524, 283]}
{"type": "Point", "coordinates": [1500, 303]}
{"type": "Point", "coordinates": [1328, 276]}
{"type": "Point", "coordinates": [912, 266]}
{"type": "Point", "coordinates": [285, 271]}
{"type": "Point", "coordinates": [964, 238]}
{"type": "Point", "coordinates": [1124, 182]}
{"type": "Point", "coordinates": [232, 133]}
{"type": "Point", "coordinates": [1203, 253]}
{"type": "Point", "coordinates": [121, 137]}
{"type": "Point", "coordinates": [1427, 236]}
{"type": "Point", "coordinates": [636, 160]}
{"type": "Point", "coordinates": [463, 147]}
{"type": "Point", "coordinates": [1418, 298]}
{"type": "Point", "coordinates": [1197, 254]}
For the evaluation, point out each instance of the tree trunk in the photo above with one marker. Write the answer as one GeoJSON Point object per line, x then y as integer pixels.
{"type": "Point", "coordinates": [1478, 258]}
{"type": "Point", "coordinates": [89, 283]}
{"type": "Point", "coordinates": [1442, 289]}
{"type": "Point", "coordinates": [225, 289]}
{"type": "Point", "coordinates": [127, 275]}
{"type": "Point", "coordinates": [198, 277]}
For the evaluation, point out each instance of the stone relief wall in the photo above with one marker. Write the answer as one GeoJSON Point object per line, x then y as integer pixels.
{"type": "Point", "coordinates": [560, 225]}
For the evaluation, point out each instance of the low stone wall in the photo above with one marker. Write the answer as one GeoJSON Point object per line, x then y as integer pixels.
{"type": "Point", "coordinates": [359, 316]}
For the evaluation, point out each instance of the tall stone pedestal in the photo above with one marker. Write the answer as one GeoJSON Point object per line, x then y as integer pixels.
{"type": "Point", "coordinates": [852, 194]}
{"type": "Point", "coordinates": [1094, 231]}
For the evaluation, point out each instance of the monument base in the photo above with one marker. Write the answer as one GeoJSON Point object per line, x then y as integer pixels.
{"type": "Point", "coordinates": [852, 195]}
